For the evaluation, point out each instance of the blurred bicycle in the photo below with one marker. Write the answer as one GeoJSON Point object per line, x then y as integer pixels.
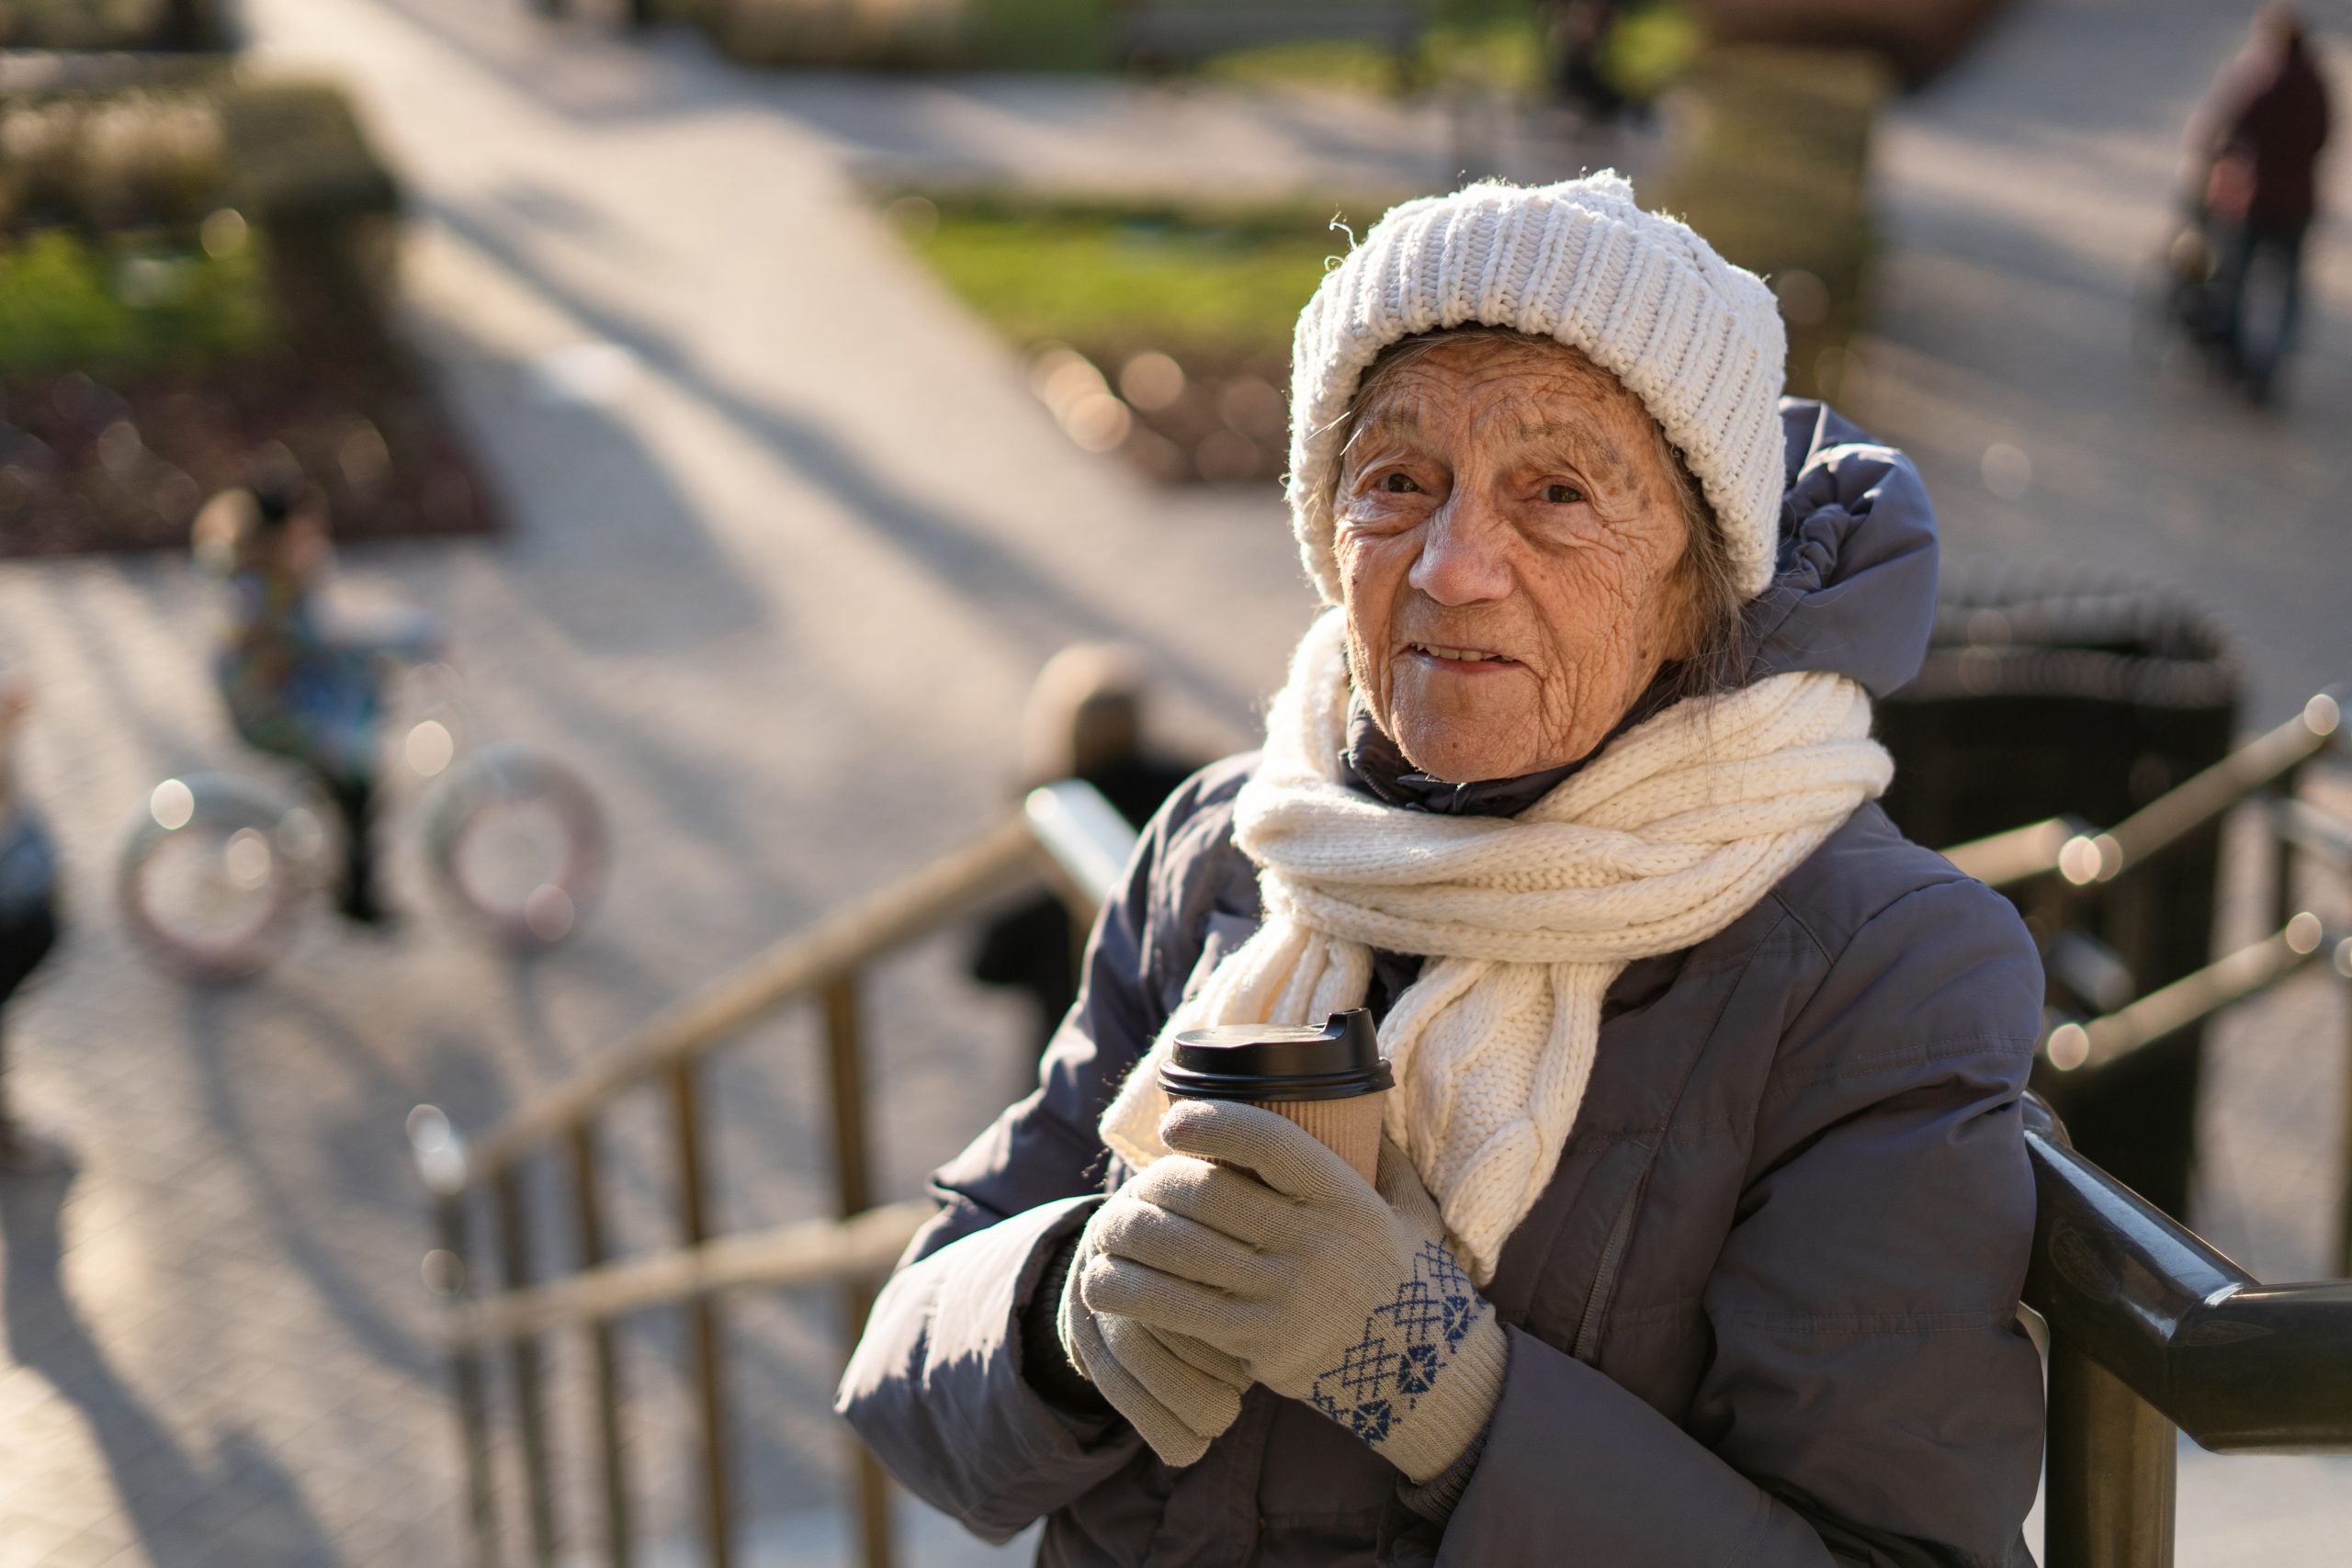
{"type": "Point", "coordinates": [217, 869]}
{"type": "Point", "coordinates": [216, 865]}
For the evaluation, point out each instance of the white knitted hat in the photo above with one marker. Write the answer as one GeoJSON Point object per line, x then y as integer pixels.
{"type": "Point", "coordinates": [1697, 339]}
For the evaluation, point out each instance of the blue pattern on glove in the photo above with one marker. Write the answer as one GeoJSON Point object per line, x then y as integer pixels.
{"type": "Point", "coordinates": [1404, 1346]}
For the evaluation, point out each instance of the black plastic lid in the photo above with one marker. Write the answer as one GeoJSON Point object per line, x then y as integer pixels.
{"type": "Point", "coordinates": [1277, 1062]}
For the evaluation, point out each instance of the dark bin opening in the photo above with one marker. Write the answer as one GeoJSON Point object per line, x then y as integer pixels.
{"type": "Point", "coordinates": [2089, 700]}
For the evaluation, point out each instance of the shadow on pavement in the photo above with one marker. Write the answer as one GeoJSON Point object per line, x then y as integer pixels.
{"type": "Point", "coordinates": [957, 550]}
{"type": "Point", "coordinates": [181, 1511]}
{"type": "Point", "coordinates": [367, 1162]}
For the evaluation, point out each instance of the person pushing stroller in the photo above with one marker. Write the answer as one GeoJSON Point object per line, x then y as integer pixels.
{"type": "Point", "coordinates": [2254, 150]}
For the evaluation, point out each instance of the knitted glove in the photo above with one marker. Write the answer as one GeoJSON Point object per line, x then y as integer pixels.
{"type": "Point", "coordinates": [1176, 1405]}
{"type": "Point", "coordinates": [1279, 1263]}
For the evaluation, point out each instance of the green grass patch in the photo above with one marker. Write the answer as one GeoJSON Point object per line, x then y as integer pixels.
{"type": "Point", "coordinates": [1114, 280]}
{"type": "Point", "coordinates": [69, 304]}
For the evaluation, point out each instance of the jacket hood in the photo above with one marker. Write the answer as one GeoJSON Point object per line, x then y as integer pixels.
{"type": "Point", "coordinates": [1853, 594]}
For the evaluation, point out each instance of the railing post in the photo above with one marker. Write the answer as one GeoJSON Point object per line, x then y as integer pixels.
{"type": "Point", "coordinates": [523, 1359]}
{"type": "Point", "coordinates": [702, 1318]}
{"type": "Point", "coordinates": [852, 1181]}
{"type": "Point", "coordinates": [2341, 960]}
{"type": "Point", "coordinates": [603, 1361]}
{"type": "Point", "coordinates": [441, 1163]}
{"type": "Point", "coordinates": [2108, 1501]}
{"type": "Point", "coordinates": [473, 1403]}
{"type": "Point", "coordinates": [2282, 846]}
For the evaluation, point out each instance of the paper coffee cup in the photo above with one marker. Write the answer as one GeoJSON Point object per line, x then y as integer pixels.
{"type": "Point", "coordinates": [1330, 1079]}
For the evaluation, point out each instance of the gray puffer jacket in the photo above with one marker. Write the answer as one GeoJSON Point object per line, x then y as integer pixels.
{"type": "Point", "coordinates": [1763, 1316]}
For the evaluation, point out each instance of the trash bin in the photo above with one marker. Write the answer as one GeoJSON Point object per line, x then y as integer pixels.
{"type": "Point", "coordinates": [2090, 700]}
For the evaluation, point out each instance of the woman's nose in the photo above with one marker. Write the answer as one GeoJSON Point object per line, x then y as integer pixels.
{"type": "Point", "coordinates": [1465, 555]}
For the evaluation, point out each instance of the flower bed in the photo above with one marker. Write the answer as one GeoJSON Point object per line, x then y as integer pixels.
{"type": "Point", "coordinates": [192, 276]}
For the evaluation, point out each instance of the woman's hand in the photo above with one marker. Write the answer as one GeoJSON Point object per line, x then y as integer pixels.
{"type": "Point", "coordinates": [1178, 1407]}
{"type": "Point", "coordinates": [1255, 1251]}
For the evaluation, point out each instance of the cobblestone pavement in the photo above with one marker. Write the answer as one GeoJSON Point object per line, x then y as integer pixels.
{"type": "Point", "coordinates": [783, 520]}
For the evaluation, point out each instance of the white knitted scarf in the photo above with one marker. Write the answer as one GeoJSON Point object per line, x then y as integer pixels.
{"type": "Point", "coordinates": [1674, 832]}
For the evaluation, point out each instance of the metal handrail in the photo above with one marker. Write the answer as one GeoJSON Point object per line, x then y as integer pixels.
{"type": "Point", "coordinates": [811, 1252]}
{"type": "Point", "coordinates": [2240, 1366]}
{"type": "Point", "coordinates": [2084, 855]}
{"type": "Point", "coordinates": [2018, 854]}
{"type": "Point", "coordinates": [846, 939]}
{"type": "Point", "coordinates": [2153, 1332]}
{"type": "Point", "coordinates": [2074, 1045]}
{"type": "Point", "coordinates": [2151, 1329]}
{"type": "Point", "coordinates": [1065, 834]}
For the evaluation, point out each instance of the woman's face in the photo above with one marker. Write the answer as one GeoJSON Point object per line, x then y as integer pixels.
{"type": "Point", "coordinates": [1510, 548]}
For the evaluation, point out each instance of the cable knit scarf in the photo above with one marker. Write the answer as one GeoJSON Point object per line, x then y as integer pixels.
{"type": "Point", "coordinates": [1673, 833]}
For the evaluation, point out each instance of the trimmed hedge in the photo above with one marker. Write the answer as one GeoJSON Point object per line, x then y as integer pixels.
{"type": "Point", "coordinates": [1768, 156]}
{"type": "Point", "coordinates": [194, 268]}
{"type": "Point", "coordinates": [125, 212]}
{"type": "Point", "coordinates": [114, 24]}
{"type": "Point", "coordinates": [170, 151]}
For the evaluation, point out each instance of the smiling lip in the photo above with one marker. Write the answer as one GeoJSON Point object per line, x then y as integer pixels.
{"type": "Point", "coordinates": [1460, 661]}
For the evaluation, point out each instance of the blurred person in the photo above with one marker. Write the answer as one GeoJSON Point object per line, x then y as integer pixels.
{"type": "Point", "coordinates": [28, 926]}
{"type": "Point", "coordinates": [2258, 138]}
{"type": "Point", "coordinates": [299, 681]}
{"type": "Point", "coordinates": [1704, 1208]}
{"type": "Point", "coordinates": [1084, 720]}
{"type": "Point", "coordinates": [1579, 36]}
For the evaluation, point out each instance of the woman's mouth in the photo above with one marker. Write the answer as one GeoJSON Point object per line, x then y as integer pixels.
{"type": "Point", "coordinates": [1464, 661]}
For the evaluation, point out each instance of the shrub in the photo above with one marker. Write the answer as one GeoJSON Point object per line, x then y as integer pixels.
{"type": "Point", "coordinates": [112, 24]}
{"type": "Point", "coordinates": [297, 155]}
{"type": "Point", "coordinates": [138, 159]}
{"type": "Point", "coordinates": [69, 304]}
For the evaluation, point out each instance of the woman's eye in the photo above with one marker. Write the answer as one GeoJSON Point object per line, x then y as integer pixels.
{"type": "Point", "coordinates": [1398, 484]}
{"type": "Point", "coordinates": [1563, 495]}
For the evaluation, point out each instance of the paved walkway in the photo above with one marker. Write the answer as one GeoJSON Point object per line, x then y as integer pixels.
{"type": "Point", "coordinates": [2024, 199]}
{"type": "Point", "coordinates": [789, 541]}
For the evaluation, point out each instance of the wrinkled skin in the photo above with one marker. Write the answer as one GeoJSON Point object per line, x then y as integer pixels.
{"type": "Point", "coordinates": [1507, 499]}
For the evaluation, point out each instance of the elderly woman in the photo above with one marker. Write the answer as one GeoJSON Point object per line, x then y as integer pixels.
{"type": "Point", "coordinates": [1703, 1209]}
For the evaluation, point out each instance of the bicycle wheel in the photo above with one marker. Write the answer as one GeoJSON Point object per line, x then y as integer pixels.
{"type": "Point", "coordinates": [516, 838]}
{"type": "Point", "coordinates": [212, 873]}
